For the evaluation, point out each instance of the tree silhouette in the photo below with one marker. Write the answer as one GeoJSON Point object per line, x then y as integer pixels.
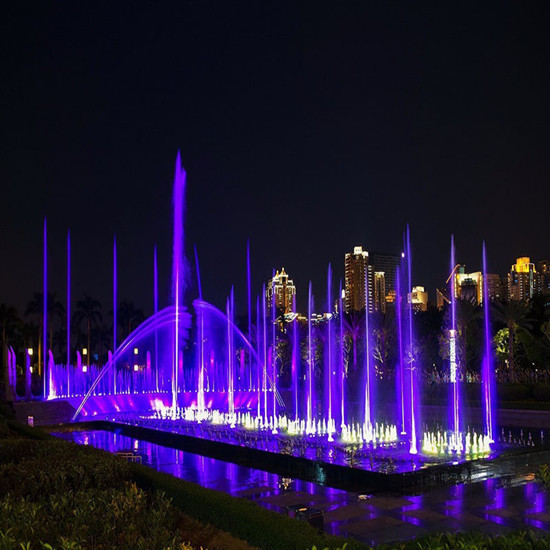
{"type": "Point", "coordinates": [88, 310]}
{"type": "Point", "coordinates": [514, 314]}
{"type": "Point", "coordinates": [129, 318]}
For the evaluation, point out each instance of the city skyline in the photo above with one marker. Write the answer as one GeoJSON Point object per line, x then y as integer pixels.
{"type": "Point", "coordinates": [361, 120]}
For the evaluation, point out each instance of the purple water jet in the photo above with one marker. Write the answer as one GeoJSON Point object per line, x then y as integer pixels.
{"type": "Point", "coordinates": [45, 312]}
{"type": "Point", "coordinates": [413, 390]}
{"type": "Point", "coordinates": [309, 392]}
{"type": "Point", "coordinates": [488, 372]}
{"type": "Point", "coordinates": [453, 364]}
{"type": "Point", "coordinates": [177, 272]}
{"type": "Point", "coordinates": [68, 298]}
{"type": "Point", "coordinates": [400, 378]}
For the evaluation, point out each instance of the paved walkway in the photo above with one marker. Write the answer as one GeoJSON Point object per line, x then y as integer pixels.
{"type": "Point", "coordinates": [492, 507]}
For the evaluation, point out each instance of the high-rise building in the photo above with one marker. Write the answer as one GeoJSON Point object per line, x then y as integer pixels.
{"type": "Point", "coordinates": [380, 291]}
{"type": "Point", "coordinates": [389, 265]}
{"type": "Point", "coordinates": [284, 291]}
{"type": "Point", "coordinates": [468, 286]}
{"type": "Point", "coordinates": [357, 273]}
{"type": "Point", "coordinates": [494, 287]}
{"type": "Point", "coordinates": [543, 268]}
{"type": "Point", "coordinates": [522, 280]}
{"type": "Point", "coordinates": [418, 298]}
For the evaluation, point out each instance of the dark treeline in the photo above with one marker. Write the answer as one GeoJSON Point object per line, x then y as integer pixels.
{"type": "Point", "coordinates": [520, 334]}
{"type": "Point", "coordinates": [91, 327]}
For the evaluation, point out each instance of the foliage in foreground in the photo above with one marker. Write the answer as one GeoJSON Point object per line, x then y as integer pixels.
{"type": "Point", "coordinates": [54, 494]}
{"type": "Point", "coordinates": [98, 518]}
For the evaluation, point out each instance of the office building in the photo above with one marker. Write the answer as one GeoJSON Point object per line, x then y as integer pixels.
{"type": "Point", "coordinates": [284, 291]}
{"type": "Point", "coordinates": [523, 282]}
{"type": "Point", "coordinates": [418, 298]}
{"type": "Point", "coordinates": [357, 273]}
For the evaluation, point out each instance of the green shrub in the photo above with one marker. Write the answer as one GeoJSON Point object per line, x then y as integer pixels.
{"type": "Point", "coordinates": [242, 518]}
{"type": "Point", "coordinates": [97, 518]}
{"type": "Point", "coordinates": [33, 468]}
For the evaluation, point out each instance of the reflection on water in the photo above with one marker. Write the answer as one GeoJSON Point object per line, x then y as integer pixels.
{"type": "Point", "coordinates": [208, 472]}
{"type": "Point", "coordinates": [492, 505]}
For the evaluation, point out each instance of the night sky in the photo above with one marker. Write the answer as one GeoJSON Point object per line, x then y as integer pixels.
{"type": "Point", "coordinates": [308, 127]}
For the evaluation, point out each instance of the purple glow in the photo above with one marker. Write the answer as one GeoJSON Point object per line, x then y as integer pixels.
{"type": "Point", "coordinates": [414, 395]}
{"type": "Point", "coordinates": [155, 311]}
{"type": "Point", "coordinates": [368, 363]}
{"type": "Point", "coordinates": [342, 360]}
{"type": "Point", "coordinates": [222, 369]}
{"type": "Point", "coordinates": [454, 367]}
{"type": "Point", "coordinates": [258, 352]}
{"type": "Point", "coordinates": [68, 298]}
{"type": "Point", "coordinates": [200, 335]}
{"type": "Point", "coordinates": [274, 351]}
{"type": "Point", "coordinates": [249, 301]}
{"type": "Point", "coordinates": [264, 345]}
{"type": "Point", "coordinates": [45, 312]}
{"type": "Point", "coordinates": [231, 355]}
{"type": "Point", "coordinates": [400, 378]}
{"type": "Point", "coordinates": [488, 372]}
{"type": "Point", "coordinates": [115, 297]}
{"type": "Point", "coordinates": [328, 350]}
{"type": "Point", "coordinates": [177, 272]}
{"type": "Point", "coordinates": [309, 394]}
{"type": "Point", "coordinates": [295, 359]}
{"type": "Point", "coordinates": [28, 376]}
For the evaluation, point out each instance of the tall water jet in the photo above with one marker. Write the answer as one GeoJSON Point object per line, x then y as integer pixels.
{"type": "Point", "coordinates": [453, 366]}
{"type": "Point", "coordinates": [264, 354]}
{"type": "Point", "coordinates": [488, 373]}
{"type": "Point", "coordinates": [258, 355]}
{"type": "Point", "coordinates": [230, 356]}
{"type": "Point", "coordinates": [177, 273]}
{"type": "Point", "coordinates": [295, 358]}
{"type": "Point", "coordinates": [329, 345]}
{"type": "Point", "coordinates": [45, 312]}
{"type": "Point", "coordinates": [115, 306]}
{"type": "Point", "coordinates": [115, 295]}
{"type": "Point", "coordinates": [309, 391]}
{"type": "Point", "coordinates": [249, 303]}
{"type": "Point", "coordinates": [155, 310]}
{"type": "Point", "coordinates": [412, 369]}
{"type": "Point", "coordinates": [68, 304]}
{"type": "Point", "coordinates": [200, 336]}
{"type": "Point", "coordinates": [400, 378]}
{"type": "Point", "coordinates": [341, 360]}
{"type": "Point", "coordinates": [274, 347]}
{"type": "Point", "coordinates": [367, 390]}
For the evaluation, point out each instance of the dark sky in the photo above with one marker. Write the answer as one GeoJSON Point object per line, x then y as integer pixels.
{"type": "Point", "coordinates": [308, 127]}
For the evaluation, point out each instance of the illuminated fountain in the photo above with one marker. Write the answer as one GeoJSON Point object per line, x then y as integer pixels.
{"type": "Point", "coordinates": [196, 372]}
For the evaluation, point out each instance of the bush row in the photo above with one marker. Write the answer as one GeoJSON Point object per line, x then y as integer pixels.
{"type": "Point", "coordinates": [244, 519]}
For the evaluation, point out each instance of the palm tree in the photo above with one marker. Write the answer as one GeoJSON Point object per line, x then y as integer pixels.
{"type": "Point", "coordinates": [129, 317]}
{"type": "Point", "coordinates": [353, 325]}
{"type": "Point", "coordinates": [385, 333]}
{"type": "Point", "coordinates": [514, 314]}
{"type": "Point", "coordinates": [88, 309]}
{"type": "Point", "coordinates": [55, 310]}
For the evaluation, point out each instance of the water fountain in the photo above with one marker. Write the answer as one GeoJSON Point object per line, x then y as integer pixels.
{"type": "Point", "coordinates": [197, 373]}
